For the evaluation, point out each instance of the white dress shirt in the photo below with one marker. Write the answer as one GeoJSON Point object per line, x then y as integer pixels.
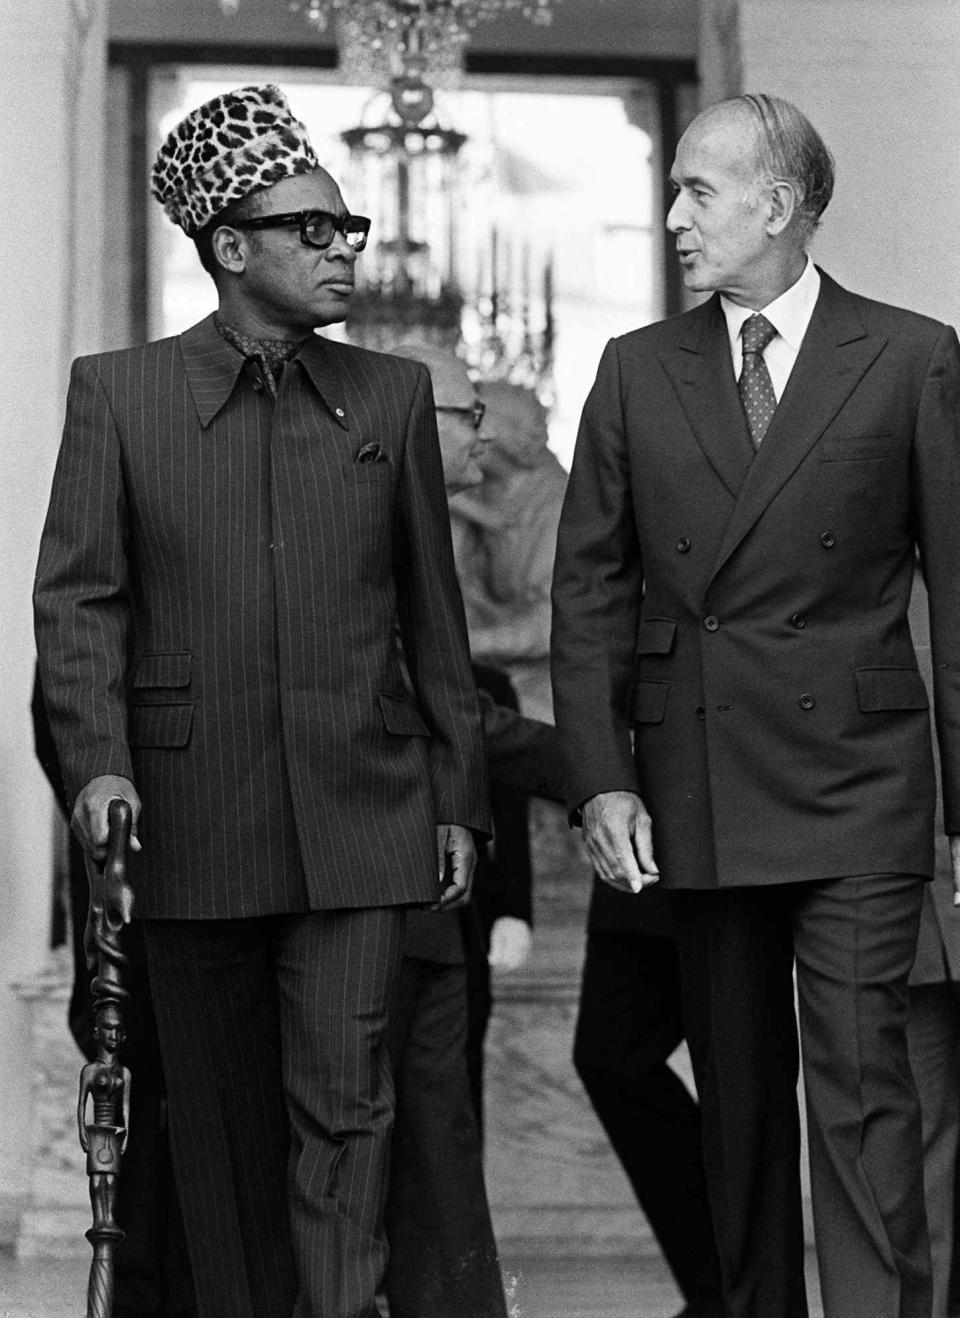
{"type": "Point", "coordinates": [789, 314]}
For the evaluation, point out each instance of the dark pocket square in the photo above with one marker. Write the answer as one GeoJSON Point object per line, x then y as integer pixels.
{"type": "Point", "coordinates": [371, 452]}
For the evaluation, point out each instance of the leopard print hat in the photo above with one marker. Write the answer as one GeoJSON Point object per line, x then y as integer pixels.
{"type": "Point", "coordinates": [221, 151]}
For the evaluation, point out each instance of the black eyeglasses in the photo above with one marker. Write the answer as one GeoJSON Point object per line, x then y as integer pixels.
{"type": "Point", "coordinates": [476, 412]}
{"type": "Point", "coordinates": [316, 227]}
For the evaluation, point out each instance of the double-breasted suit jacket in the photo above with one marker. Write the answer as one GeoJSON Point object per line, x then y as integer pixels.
{"type": "Point", "coordinates": [220, 584]}
{"type": "Point", "coordinates": [742, 657]}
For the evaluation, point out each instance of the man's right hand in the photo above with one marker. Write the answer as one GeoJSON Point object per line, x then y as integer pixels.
{"type": "Point", "coordinates": [89, 818]}
{"type": "Point", "coordinates": [618, 838]}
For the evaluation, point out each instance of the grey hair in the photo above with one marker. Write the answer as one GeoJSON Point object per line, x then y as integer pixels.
{"type": "Point", "coordinates": [790, 150]}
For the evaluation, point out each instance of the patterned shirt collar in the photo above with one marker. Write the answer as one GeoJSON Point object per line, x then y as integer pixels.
{"type": "Point", "coordinates": [270, 354]}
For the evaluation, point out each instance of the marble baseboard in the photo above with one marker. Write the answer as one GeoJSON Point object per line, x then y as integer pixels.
{"type": "Point", "coordinates": [11, 1210]}
{"type": "Point", "coordinates": [54, 1233]}
{"type": "Point", "coordinates": [57, 1212]}
{"type": "Point", "coordinates": [572, 1232]}
{"type": "Point", "coordinates": [547, 1157]}
{"type": "Point", "coordinates": [555, 1185]}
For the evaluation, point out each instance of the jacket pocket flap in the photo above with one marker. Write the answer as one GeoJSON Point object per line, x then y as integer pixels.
{"type": "Point", "coordinates": [164, 670]}
{"type": "Point", "coordinates": [159, 726]}
{"type": "Point", "coordinates": [656, 636]}
{"type": "Point", "coordinates": [401, 716]}
{"type": "Point", "coordinates": [890, 688]}
{"type": "Point", "coordinates": [648, 703]}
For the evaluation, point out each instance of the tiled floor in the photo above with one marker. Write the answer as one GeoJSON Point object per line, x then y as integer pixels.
{"type": "Point", "coordinates": [538, 1288]}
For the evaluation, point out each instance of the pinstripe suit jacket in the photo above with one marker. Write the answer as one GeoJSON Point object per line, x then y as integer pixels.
{"type": "Point", "coordinates": [216, 601]}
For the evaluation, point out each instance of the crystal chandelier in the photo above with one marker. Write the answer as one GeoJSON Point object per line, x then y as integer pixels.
{"type": "Point", "coordinates": [439, 267]}
{"type": "Point", "coordinates": [405, 171]}
{"type": "Point", "coordinates": [382, 40]}
{"type": "Point", "coordinates": [406, 175]}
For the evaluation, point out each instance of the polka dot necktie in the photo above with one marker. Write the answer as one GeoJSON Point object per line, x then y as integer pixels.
{"type": "Point", "coordinates": [756, 389]}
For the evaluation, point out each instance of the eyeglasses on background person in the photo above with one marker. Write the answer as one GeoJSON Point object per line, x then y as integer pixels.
{"type": "Point", "coordinates": [476, 411]}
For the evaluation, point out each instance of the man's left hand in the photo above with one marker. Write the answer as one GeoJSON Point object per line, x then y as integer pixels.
{"type": "Point", "coordinates": [456, 859]}
{"type": "Point", "coordinates": [955, 866]}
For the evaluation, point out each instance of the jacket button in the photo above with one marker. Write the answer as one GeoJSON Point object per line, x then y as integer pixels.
{"type": "Point", "coordinates": [806, 701]}
{"type": "Point", "coordinates": [683, 545]}
{"type": "Point", "coordinates": [258, 385]}
{"type": "Point", "coordinates": [798, 620]}
{"type": "Point", "coordinates": [701, 712]}
{"type": "Point", "coordinates": [828, 539]}
{"type": "Point", "coordinates": [711, 624]}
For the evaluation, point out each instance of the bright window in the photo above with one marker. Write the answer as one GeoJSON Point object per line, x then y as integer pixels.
{"type": "Point", "coordinates": [563, 178]}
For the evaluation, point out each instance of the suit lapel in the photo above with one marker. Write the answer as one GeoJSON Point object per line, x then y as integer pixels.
{"type": "Point", "coordinates": [322, 364]}
{"type": "Point", "coordinates": [835, 354]}
{"type": "Point", "coordinates": [212, 366]}
{"type": "Point", "coordinates": [701, 370]}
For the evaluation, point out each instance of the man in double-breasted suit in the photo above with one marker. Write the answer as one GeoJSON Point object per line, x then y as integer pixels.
{"type": "Point", "coordinates": [738, 695]}
{"type": "Point", "coordinates": [243, 518]}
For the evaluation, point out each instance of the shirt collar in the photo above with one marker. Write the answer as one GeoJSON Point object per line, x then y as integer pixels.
{"type": "Point", "coordinates": [270, 350]}
{"type": "Point", "coordinates": [213, 367]}
{"type": "Point", "coordinates": [270, 354]}
{"type": "Point", "coordinates": [789, 314]}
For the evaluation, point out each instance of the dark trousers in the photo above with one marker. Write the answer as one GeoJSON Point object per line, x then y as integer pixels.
{"type": "Point", "coordinates": [272, 1032]}
{"type": "Point", "coordinates": [479, 1008]}
{"type": "Point", "coordinates": [934, 1042]}
{"type": "Point", "coordinates": [853, 941]}
{"type": "Point", "coordinates": [628, 1024]}
{"type": "Point", "coordinates": [443, 1257]}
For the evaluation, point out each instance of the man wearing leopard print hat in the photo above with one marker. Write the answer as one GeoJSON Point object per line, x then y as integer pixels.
{"type": "Point", "coordinates": [241, 517]}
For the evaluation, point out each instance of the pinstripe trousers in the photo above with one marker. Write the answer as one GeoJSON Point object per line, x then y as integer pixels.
{"type": "Point", "coordinates": [281, 1103]}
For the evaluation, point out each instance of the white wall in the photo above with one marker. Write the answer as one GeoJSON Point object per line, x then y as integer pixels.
{"type": "Point", "coordinates": [880, 79]}
{"type": "Point", "coordinates": [51, 104]}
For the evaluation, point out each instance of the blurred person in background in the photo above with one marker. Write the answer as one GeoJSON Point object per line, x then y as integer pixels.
{"type": "Point", "coordinates": [505, 534]}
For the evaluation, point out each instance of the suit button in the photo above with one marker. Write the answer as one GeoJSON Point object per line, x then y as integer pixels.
{"type": "Point", "coordinates": [683, 545]}
{"type": "Point", "coordinates": [258, 385]}
{"type": "Point", "coordinates": [701, 712]}
{"type": "Point", "coordinates": [798, 620]}
{"type": "Point", "coordinates": [828, 539]}
{"type": "Point", "coordinates": [711, 624]}
{"type": "Point", "coordinates": [806, 701]}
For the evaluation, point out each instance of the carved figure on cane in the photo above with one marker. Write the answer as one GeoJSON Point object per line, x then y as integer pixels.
{"type": "Point", "coordinates": [104, 1140]}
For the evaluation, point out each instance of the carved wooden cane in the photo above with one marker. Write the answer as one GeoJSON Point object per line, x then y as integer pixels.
{"type": "Point", "coordinates": [105, 1081]}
